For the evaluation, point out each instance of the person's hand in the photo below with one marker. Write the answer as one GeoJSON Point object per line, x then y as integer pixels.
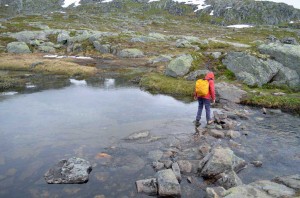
{"type": "Point", "coordinates": [214, 101]}
{"type": "Point", "coordinates": [195, 97]}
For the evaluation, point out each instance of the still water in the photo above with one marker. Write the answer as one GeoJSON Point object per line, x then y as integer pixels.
{"type": "Point", "coordinates": [40, 127]}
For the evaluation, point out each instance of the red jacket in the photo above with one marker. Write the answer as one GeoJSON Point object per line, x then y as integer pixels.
{"type": "Point", "coordinates": [211, 94]}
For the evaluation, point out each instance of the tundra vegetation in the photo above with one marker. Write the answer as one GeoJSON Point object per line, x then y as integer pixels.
{"type": "Point", "coordinates": [155, 32]}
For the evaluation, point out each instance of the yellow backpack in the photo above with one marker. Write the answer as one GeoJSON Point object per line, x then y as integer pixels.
{"type": "Point", "coordinates": [202, 87]}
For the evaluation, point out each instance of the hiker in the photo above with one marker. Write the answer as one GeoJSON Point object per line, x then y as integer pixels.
{"type": "Point", "coordinates": [204, 92]}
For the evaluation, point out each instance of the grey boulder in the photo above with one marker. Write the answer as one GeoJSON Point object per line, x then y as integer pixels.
{"type": "Point", "coordinates": [168, 184]}
{"type": "Point", "coordinates": [179, 66]}
{"type": "Point", "coordinates": [18, 48]}
{"type": "Point", "coordinates": [71, 171]}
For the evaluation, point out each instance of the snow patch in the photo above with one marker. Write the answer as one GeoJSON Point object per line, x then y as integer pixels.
{"type": "Point", "coordinates": [6, 5]}
{"type": "Point", "coordinates": [240, 26]}
{"type": "Point", "coordinates": [106, 1]}
{"type": "Point", "coordinates": [200, 3]}
{"type": "Point", "coordinates": [211, 13]}
{"type": "Point", "coordinates": [78, 82]}
{"type": "Point", "coordinates": [9, 93]}
{"type": "Point", "coordinates": [67, 3]}
{"type": "Point", "coordinates": [109, 83]}
{"type": "Point", "coordinates": [294, 3]}
{"type": "Point", "coordinates": [75, 57]}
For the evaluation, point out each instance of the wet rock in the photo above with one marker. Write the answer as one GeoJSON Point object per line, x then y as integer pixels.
{"type": "Point", "coordinates": [292, 181]}
{"type": "Point", "coordinates": [71, 191]}
{"type": "Point", "coordinates": [155, 155]}
{"type": "Point", "coordinates": [264, 110]}
{"type": "Point", "coordinates": [138, 135]}
{"type": "Point", "coordinates": [176, 170]}
{"type": "Point", "coordinates": [257, 163]}
{"type": "Point", "coordinates": [215, 192]}
{"type": "Point", "coordinates": [228, 124]}
{"type": "Point", "coordinates": [216, 133]}
{"type": "Point", "coordinates": [168, 184]}
{"type": "Point", "coordinates": [158, 165]}
{"type": "Point", "coordinates": [130, 53]}
{"type": "Point", "coordinates": [71, 171]}
{"type": "Point", "coordinates": [18, 48]}
{"type": "Point", "coordinates": [204, 149]}
{"type": "Point", "coordinates": [233, 134]}
{"type": "Point", "coordinates": [147, 186]}
{"type": "Point", "coordinates": [167, 163]}
{"type": "Point", "coordinates": [219, 116]}
{"type": "Point", "coordinates": [102, 176]}
{"type": "Point", "coordinates": [185, 166]}
{"type": "Point", "coordinates": [221, 160]}
{"type": "Point", "coordinates": [99, 196]}
{"type": "Point", "coordinates": [273, 189]}
{"type": "Point", "coordinates": [245, 191]}
{"type": "Point", "coordinates": [229, 180]}
{"type": "Point", "coordinates": [233, 143]}
{"type": "Point", "coordinates": [179, 66]}
{"type": "Point", "coordinates": [229, 93]}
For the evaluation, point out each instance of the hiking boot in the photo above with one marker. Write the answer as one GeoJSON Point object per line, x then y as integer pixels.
{"type": "Point", "coordinates": [210, 122]}
{"type": "Point", "coordinates": [197, 123]}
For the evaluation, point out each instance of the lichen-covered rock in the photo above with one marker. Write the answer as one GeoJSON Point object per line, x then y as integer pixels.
{"type": "Point", "coordinates": [185, 166]}
{"type": "Point", "coordinates": [179, 66]}
{"type": "Point", "coordinates": [287, 55]}
{"type": "Point", "coordinates": [196, 74]}
{"type": "Point", "coordinates": [229, 180]}
{"type": "Point", "coordinates": [229, 93]}
{"type": "Point", "coordinates": [71, 171]}
{"type": "Point", "coordinates": [130, 53]}
{"type": "Point", "coordinates": [18, 48]}
{"type": "Point", "coordinates": [292, 181]}
{"type": "Point", "coordinates": [147, 186]}
{"type": "Point", "coordinates": [176, 170]}
{"type": "Point", "coordinates": [63, 37]}
{"type": "Point", "coordinates": [46, 49]}
{"type": "Point", "coordinates": [215, 192]}
{"type": "Point", "coordinates": [103, 48]}
{"type": "Point", "coordinates": [251, 70]}
{"type": "Point", "coordinates": [273, 189]}
{"type": "Point", "coordinates": [167, 184]}
{"type": "Point", "coordinates": [221, 160]}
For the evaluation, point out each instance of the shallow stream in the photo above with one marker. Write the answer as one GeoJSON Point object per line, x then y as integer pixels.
{"type": "Point", "coordinates": [40, 127]}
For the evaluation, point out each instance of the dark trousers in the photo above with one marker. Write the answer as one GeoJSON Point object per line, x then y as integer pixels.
{"type": "Point", "coordinates": [203, 102]}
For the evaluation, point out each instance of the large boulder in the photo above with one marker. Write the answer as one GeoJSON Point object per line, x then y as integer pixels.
{"type": "Point", "coordinates": [251, 70]}
{"type": "Point", "coordinates": [179, 66]}
{"type": "Point", "coordinates": [63, 37]}
{"type": "Point", "coordinates": [167, 184]}
{"type": "Point", "coordinates": [196, 74]}
{"type": "Point", "coordinates": [103, 48]}
{"type": "Point", "coordinates": [71, 171]}
{"type": "Point", "coordinates": [229, 93]}
{"type": "Point", "coordinates": [287, 55]}
{"type": "Point", "coordinates": [46, 49]}
{"type": "Point", "coordinates": [27, 36]}
{"type": "Point", "coordinates": [18, 48]}
{"type": "Point", "coordinates": [287, 76]}
{"type": "Point", "coordinates": [130, 53]}
{"type": "Point", "coordinates": [221, 160]}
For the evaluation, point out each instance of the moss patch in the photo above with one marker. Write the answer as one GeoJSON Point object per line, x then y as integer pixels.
{"type": "Point", "coordinates": [158, 83]}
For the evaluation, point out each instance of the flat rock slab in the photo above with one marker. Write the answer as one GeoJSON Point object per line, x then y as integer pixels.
{"type": "Point", "coordinates": [167, 184]}
{"type": "Point", "coordinates": [71, 171]}
{"type": "Point", "coordinates": [292, 181]}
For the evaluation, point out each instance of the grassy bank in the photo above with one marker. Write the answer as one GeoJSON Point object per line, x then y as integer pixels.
{"type": "Point", "coordinates": [158, 83]}
{"type": "Point", "coordinates": [264, 97]}
{"type": "Point", "coordinates": [36, 63]}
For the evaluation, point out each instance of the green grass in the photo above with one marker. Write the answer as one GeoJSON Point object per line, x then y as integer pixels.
{"type": "Point", "coordinates": [158, 83]}
{"type": "Point", "coordinates": [7, 83]}
{"type": "Point", "coordinates": [264, 97]}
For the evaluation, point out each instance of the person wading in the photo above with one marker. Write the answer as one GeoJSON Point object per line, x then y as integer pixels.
{"type": "Point", "coordinates": [204, 93]}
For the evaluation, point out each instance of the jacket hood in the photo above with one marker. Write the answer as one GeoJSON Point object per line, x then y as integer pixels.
{"type": "Point", "coordinates": [210, 75]}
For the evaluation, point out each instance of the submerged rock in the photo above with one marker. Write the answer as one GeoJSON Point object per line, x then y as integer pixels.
{"type": "Point", "coordinates": [138, 135]}
{"type": "Point", "coordinates": [229, 180]}
{"type": "Point", "coordinates": [71, 171]}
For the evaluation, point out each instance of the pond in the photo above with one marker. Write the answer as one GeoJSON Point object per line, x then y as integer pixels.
{"type": "Point", "coordinates": [39, 127]}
